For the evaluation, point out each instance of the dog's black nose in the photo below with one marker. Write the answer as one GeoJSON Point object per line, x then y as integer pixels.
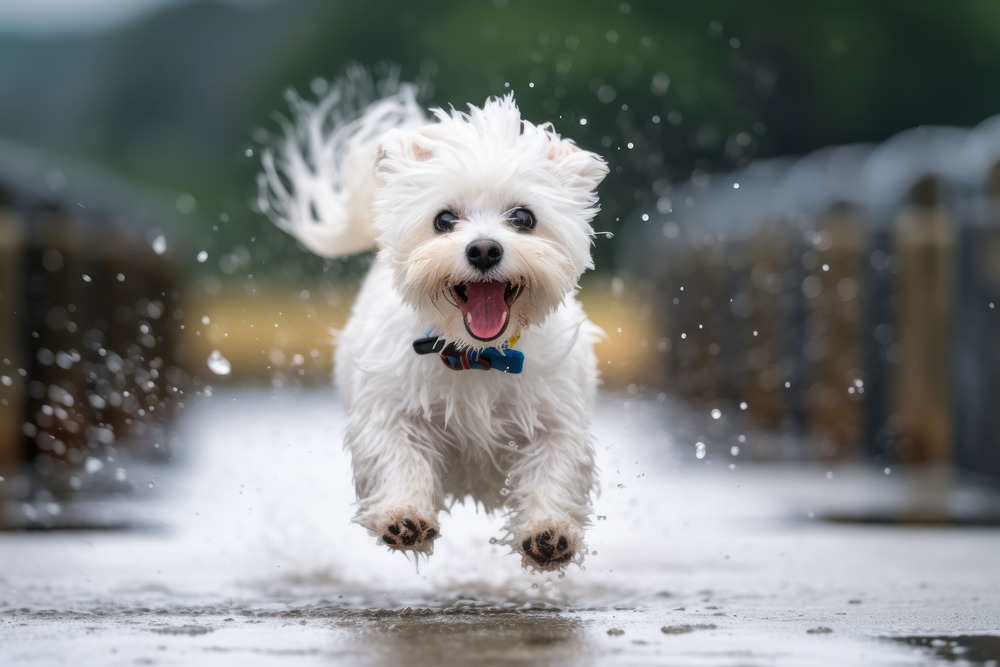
{"type": "Point", "coordinates": [484, 253]}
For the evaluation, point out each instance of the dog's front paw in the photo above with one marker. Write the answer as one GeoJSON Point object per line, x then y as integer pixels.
{"type": "Point", "coordinates": [409, 531]}
{"type": "Point", "coordinates": [549, 548]}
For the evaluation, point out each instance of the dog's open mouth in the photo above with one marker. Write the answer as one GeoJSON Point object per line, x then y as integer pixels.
{"type": "Point", "coordinates": [486, 306]}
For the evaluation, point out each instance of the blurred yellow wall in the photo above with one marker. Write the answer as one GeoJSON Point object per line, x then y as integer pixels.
{"type": "Point", "coordinates": [286, 334]}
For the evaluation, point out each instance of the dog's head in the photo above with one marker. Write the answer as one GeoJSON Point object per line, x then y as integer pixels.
{"type": "Point", "coordinates": [485, 219]}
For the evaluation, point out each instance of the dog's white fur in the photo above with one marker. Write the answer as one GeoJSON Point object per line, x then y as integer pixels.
{"type": "Point", "coordinates": [352, 174]}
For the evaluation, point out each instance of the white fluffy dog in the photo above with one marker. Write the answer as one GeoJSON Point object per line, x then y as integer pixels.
{"type": "Point", "coordinates": [467, 365]}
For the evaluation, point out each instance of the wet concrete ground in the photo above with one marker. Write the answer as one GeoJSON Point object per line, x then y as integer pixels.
{"type": "Point", "coordinates": [246, 556]}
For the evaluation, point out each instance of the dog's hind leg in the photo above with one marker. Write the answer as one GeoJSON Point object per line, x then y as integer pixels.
{"type": "Point", "coordinates": [397, 483]}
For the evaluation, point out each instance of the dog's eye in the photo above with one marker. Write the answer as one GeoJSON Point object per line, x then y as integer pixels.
{"type": "Point", "coordinates": [445, 221]}
{"type": "Point", "coordinates": [522, 219]}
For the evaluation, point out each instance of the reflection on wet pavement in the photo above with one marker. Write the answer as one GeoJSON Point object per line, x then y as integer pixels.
{"type": "Point", "coordinates": [255, 561]}
{"type": "Point", "coordinates": [967, 649]}
{"type": "Point", "coordinates": [429, 637]}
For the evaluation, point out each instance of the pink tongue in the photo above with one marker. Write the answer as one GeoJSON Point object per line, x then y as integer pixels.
{"type": "Point", "coordinates": [486, 311]}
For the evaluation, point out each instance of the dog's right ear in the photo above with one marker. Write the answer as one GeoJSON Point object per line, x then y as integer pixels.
{"type": "Point", "coordinates": [400, 147]}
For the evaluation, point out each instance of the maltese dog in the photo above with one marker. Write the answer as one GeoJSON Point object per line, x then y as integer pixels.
{"type": "Point", "coordinates": [467, 365]}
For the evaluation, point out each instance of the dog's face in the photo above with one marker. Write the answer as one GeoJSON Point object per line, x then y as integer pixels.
{"type": "Point", "coordinates": [485, 219]}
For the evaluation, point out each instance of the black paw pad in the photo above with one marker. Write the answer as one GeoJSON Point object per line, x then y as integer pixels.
{"type": "Point", "coordinates": [408, 533]}
{"type": "Point", "coordinates": [547, 549]}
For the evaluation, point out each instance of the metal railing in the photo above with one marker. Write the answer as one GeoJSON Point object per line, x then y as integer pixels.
{"type": "Point", "coordinates": [851, 297]}
{"type": "Point", "coordinates": [90, 357]}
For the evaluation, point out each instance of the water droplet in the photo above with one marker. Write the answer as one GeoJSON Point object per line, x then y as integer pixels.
{"type": "Point", "coordinates": [716, 413]}
{"type": "Point", "coordinates": [743, 405]}
{"type": "Point", "coordinates": [185, 203]}
{"type": "Point", "coordinates": [887, 471]}
{"type": "Point", "coordinates": [205, 319]}
{"type": "Point", "coordinates": [93, 465]}
{"type": "Point", "coordinates": [504, 492]}
{"type": "Point", "coordinates": [735, 450]}
{"type": "Point", "coordinates": [150, 485]}
{"type": "Point", "coordinates": [202, 257]}
{"type": "Point", "coordinates": [218, 364]}
{"type": "Point", "coordinates": [660, 84]}
{"type": "Point", "coordinates": [699, 450]}
{"type": "Point", "coordinates": [493, 540]}
{"type": "Point", "coordinates": [120, 474]}
{"type": "Point", "coordinates": [87, 278]}
{"type": "Point", "coordinates": [602, 517]}
{"type": "Point", "coordinates": [620, 485]}
{"type": "Point", "coordinates": [6, 380]}
{"type": "Point", "coordinates": [829, 474]}
{"type": "Point", "coordinates": [248, 152]}
{"type": "Point", "coordinates": [160, 244]}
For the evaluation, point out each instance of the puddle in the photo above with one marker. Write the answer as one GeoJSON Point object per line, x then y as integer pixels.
{"type": "Point", "coordinates": [967, 649]}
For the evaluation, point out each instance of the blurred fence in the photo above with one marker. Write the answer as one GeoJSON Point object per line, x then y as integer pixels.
{"type": "Point", "coordinates": [851, 297]}
{"type": "Point", "coordinates": [89, 355]}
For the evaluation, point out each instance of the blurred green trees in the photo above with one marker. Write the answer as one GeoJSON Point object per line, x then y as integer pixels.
{"type": "Point", "coordinates": [660, 88]}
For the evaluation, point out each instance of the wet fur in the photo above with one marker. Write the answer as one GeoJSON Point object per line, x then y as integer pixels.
{"type": "Point", "coordinates": [421, 435]}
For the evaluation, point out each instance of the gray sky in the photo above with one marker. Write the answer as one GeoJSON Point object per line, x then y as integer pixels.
{"type": "Point", "coordinates": [70, 15]}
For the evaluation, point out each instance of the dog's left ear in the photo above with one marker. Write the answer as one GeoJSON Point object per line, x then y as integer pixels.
{"type": "Point", "coordinates": [399, 147]}
{"type": "Point", "coordinates": [577, 167]}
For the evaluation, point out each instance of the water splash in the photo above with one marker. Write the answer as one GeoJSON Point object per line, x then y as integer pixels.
{"type": "Point", "coordinates": [159, 244]}
{"type": "Point", "coordinates": [218, 364]}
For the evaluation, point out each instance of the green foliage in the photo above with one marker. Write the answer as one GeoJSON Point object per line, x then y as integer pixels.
{"type": "Point", "coordinates": [174, 99]}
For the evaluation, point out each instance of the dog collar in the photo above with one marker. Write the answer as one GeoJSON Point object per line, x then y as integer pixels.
{"type": "Point", "coordinates": [503, 358]}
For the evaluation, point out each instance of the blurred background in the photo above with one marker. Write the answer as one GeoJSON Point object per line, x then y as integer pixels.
{"type": "Point", "coordinates": [799, 256]}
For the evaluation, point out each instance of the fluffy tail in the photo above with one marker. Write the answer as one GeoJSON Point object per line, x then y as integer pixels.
{"type": "Point", "coordinates": [318, 180]}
